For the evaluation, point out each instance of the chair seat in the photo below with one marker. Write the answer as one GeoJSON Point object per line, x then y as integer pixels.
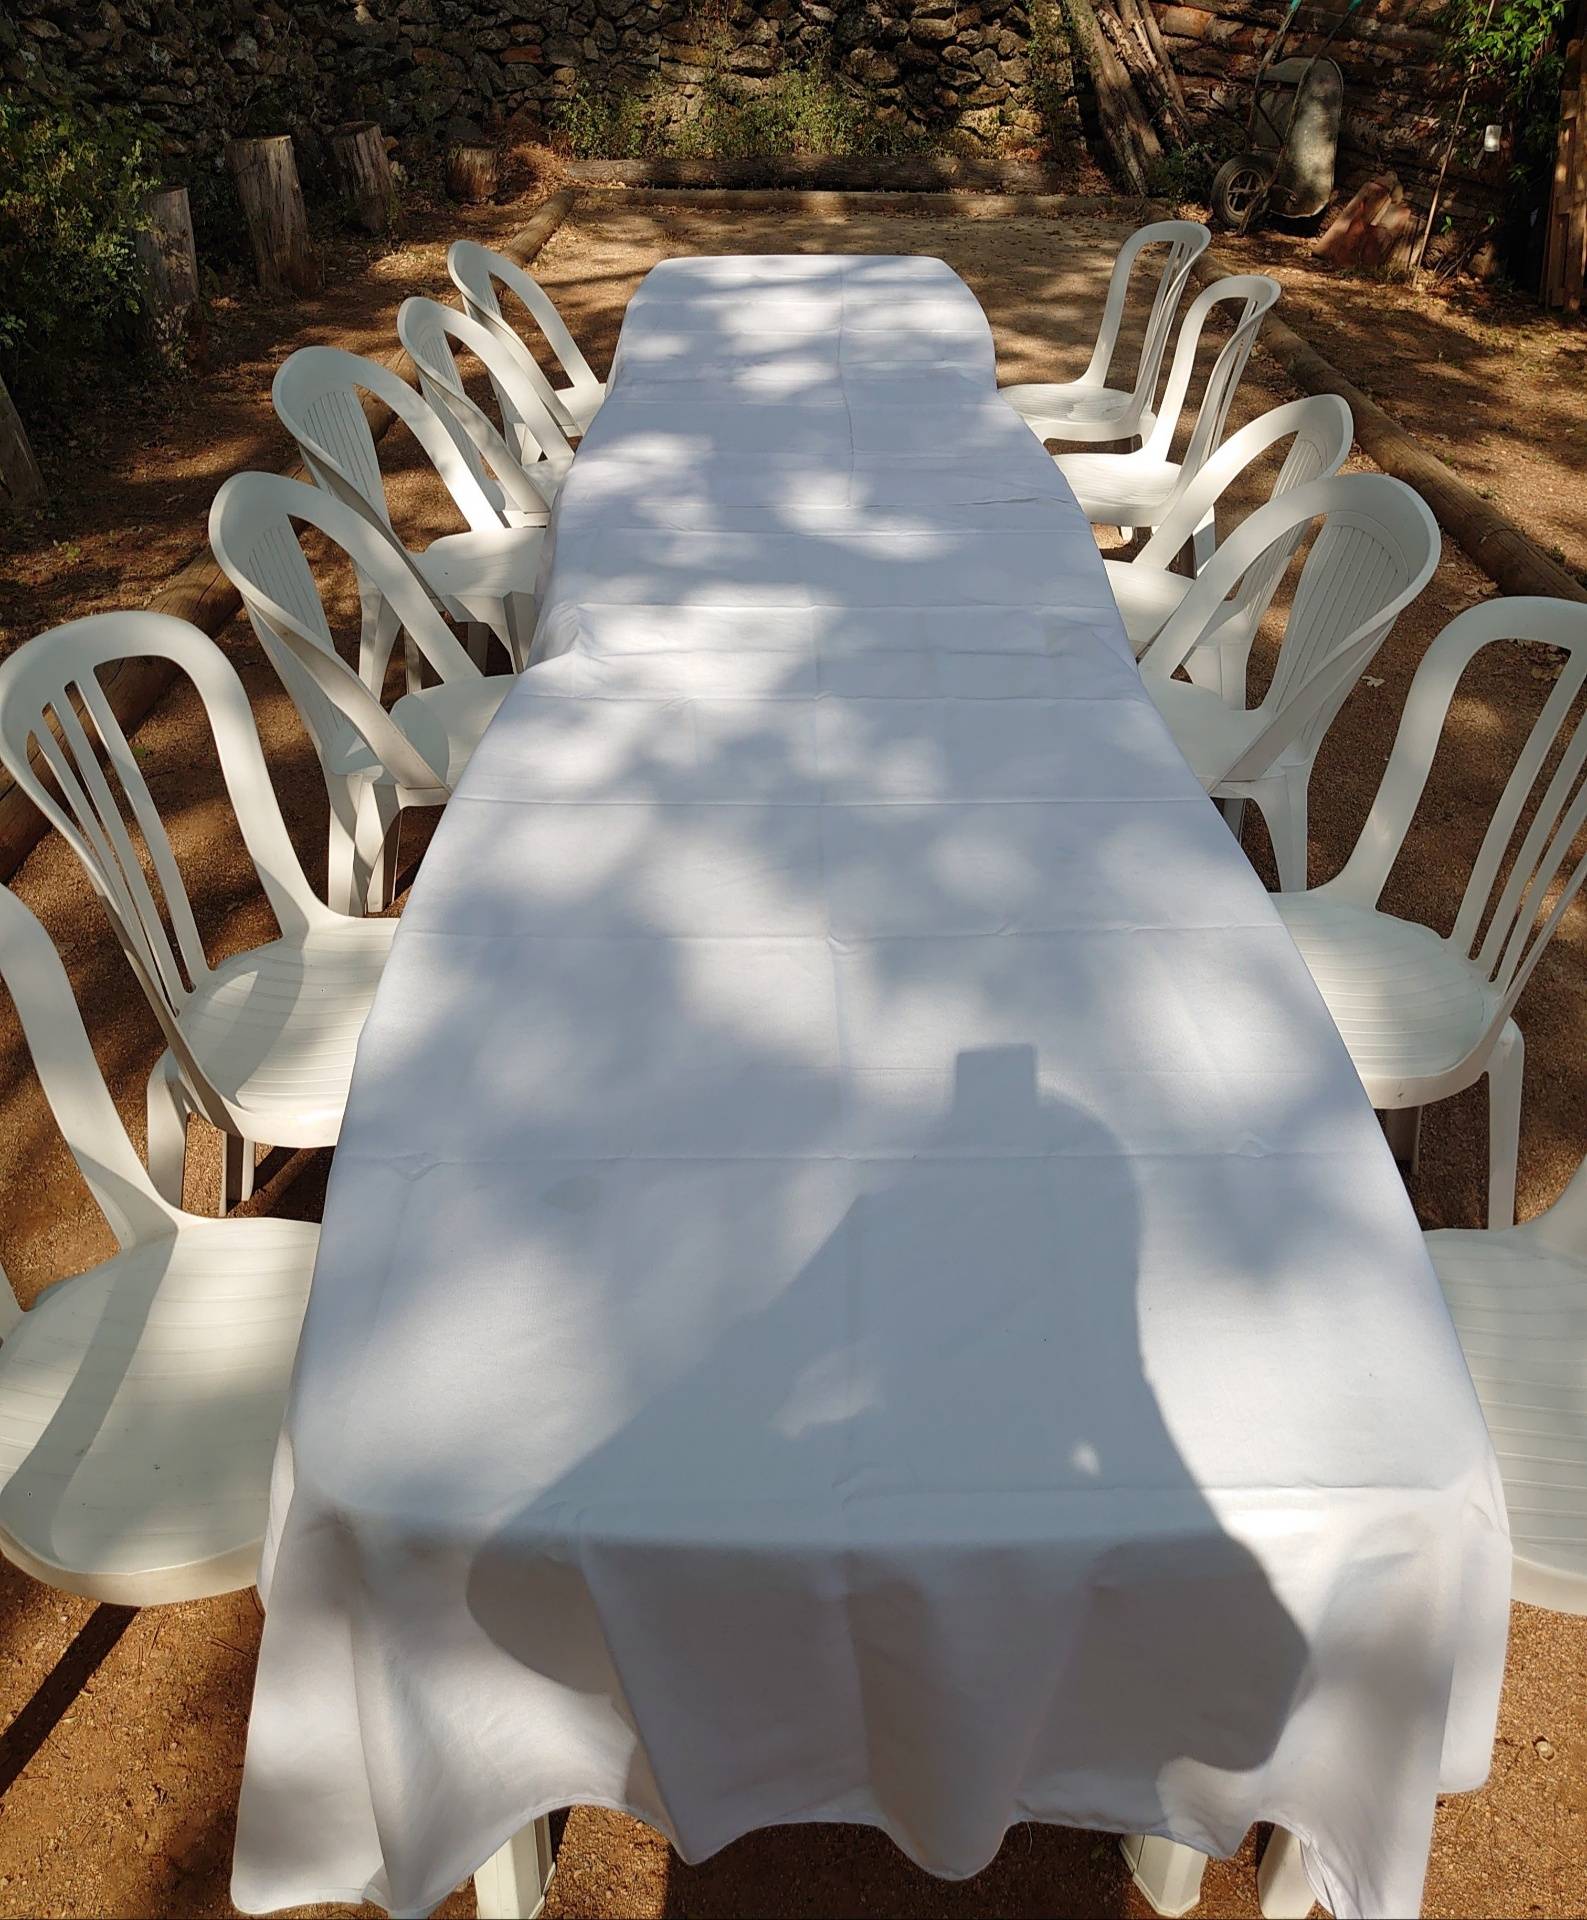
{"type": "Point", "coordinates": [1520, 1308]}
{"type": "Point", "coordinates": [1146, 597]}
{"type": "Point", "coordinates": [446, 723]}
{"type": "Point", "coordinates": [1120, 489]}
{"type": "Point", "coordinates": [277, 1027]}
{"type": "Point", "coordinates": [139, 1409]}
{"type": "Point", "coordinates": [1408, 1006]}
{"type": "Point", "coordinates": [1210, 734]}
{"type": "Point", "coordinates": [491, 563]}
{"type": "Point", "coordinates": [1064, 410]}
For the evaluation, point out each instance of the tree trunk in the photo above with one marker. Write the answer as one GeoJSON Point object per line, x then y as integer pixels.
{"type": "Point", "coordinates": [272, 205]}
{"type": "Point", "coordinates": [21, 483]}
{"type": "Point", "coordinates": [364, 169]}
{"type": "Point", "coordinates": [170, 267]}
{"type": "Point", "coordinates": [471, 172]}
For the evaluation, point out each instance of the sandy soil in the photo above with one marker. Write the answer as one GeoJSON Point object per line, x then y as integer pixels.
{"type": "Point", "coordinates": [126, 1806]}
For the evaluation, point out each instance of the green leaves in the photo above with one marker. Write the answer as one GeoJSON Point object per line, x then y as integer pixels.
{"type": "Point", "coordinates": [71, 193]}
{"type": "Point", "coordinates": [1513, 51]}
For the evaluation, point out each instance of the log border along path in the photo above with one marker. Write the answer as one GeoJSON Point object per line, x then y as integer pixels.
{"type": "Point", "coordinates": [1508, 555]}
{"type": "Point", "coordinates": [202, 595]}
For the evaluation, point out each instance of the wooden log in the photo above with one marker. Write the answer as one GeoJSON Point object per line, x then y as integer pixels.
{"type": "Point", "coordinates": [169, 262]}
{"type": "Point", "coordinates": [846, 173]}
{"type": "Point", "coordinates": [21, 483]}
{"type": "Point", "coordinates": [363, 170]}
{"type": "Point", "coordinates": [471, 172]}
{"type": "Point", "coordinates": [1130, 136]}
{"type": "Point", "coordinates": [1154, 37]}
{"type": "Point", "coordinates": [1506, 554]}
{"type": "Point", "coordinates": [202, 594]}
{"type": "Point", "coordinates": [272, 205]}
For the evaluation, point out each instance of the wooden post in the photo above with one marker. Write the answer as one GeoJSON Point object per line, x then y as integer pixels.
{"type": "Point", "coordinates": [21, 483]}
{"type": "Point", "coordinates": [272, 205]}
{"type": "Point", "coordinates": [170, 266]}
{"type": "Point", "coordinates": [363, 168]}
{"type": "Point", "coordinates": [471, 172]}
{"type": "Point", "coordinates": [1565, 262]}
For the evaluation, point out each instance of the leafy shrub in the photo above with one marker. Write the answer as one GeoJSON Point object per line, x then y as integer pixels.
{"type": "Point", "coordinates": [71, 189]}
{"type": "Point", "coordinates": [1184, 174]}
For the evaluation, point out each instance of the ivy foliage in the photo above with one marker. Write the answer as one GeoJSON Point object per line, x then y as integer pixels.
{"type": "Point", "coordinates": [1513, 52]}
{"type": "Point", "coordinates": [71, 192]}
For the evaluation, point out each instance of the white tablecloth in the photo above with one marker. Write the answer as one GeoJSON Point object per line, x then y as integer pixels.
{"type": "Point", "coordinates": [858, 1281]}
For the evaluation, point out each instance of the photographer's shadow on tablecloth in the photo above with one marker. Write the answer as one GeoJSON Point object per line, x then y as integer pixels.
{"type": "Point", "coordinates": [909, 1541]}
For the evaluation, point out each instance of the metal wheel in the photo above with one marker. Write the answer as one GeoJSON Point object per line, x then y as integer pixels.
{"type": "Point", "coordinates": [1240, 190]}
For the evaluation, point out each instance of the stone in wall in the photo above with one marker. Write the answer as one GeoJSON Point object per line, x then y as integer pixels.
{"type": "Point", "coordinates": [201, 70]}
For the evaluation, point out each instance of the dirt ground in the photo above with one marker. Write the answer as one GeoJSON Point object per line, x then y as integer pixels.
{"type": "Point", "coordinates": [123, 1749]}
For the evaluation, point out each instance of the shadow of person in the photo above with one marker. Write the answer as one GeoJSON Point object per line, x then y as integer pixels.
{"type": "Point", "coordinates": [903, 1539]}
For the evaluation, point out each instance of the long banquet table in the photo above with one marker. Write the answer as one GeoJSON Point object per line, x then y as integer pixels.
{"type": "Point", "coordinates": [858, 1282]}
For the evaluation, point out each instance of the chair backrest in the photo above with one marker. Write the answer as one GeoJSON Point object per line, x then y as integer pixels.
{"type": "Point", "coordinates": [252, 529]}
{"type": "Point", "coordinates": [533, 438]}
{"type": "Point", "coordinates": [317, 392]}
{"type": "Point", "coordinates": [1254, 294]}
{"type": "Point", "coordinates": [475, 270]}
{"type": "Point", "coordinates": [1183, 242]}
{"type": "Point", "coordinates": [1374, 551]}
{"type": "Point", "coordinates": [1502, 923]}
{"type": "Point", "coordinates": [74, 1087]}
{"type": "Point", "coordinates": [54, 715]}
{"type": "Point", "coordinates": [1320, 429]}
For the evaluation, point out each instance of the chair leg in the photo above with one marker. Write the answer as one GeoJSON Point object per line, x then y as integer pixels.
{"type": "Point", "coordinates": [1283, 1888]}
{"type": "Point", "coordinates": [376, 837]}
{"type": "Point", "coordinates": [1168, 1875]}
{"type": "Point", "coordinates": [168, 1110]}
{"type": "Point", "coordinates": [1403, 1126]}
{"type": "Point", "coordinates": [1506, 1071]}
{"type": "Point", "coordinates": [1204, 542]}
{"type": "Point", "coordinates": [237, 1164]}
{"type": "Point", "coordinates": [342, 891]}
{"type": "Point", "coordinates": [476, 638]}
{"type": "Point", "coordinates": [1282, 800]}
{"type": "Point", "coordinates": [517, 628]}
{"type": "Point", "coordinates": [1233, 811]}
{"type": "Point", "coordinates": [513, 1881]}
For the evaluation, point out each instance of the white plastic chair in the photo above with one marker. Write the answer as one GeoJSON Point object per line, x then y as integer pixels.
{"type": "Point", "coordinates": [485, 577]}
{"type": "Point", "coordinates": [1129, 490]}
{"type": "Point", "coordinates": [140, 1401]}
{"type": "Point", "coordinates": [1148, 591]}
{"type": "Point", "coordinates": [1518, 1297]}
{"type": "Point", "coordinates": [262, 1044]}
{"type": "Point", "coordinates": [475, 272]}
{"type": "Point", "coordinates": [1374, 551]}
{"type": "Point", "coordinates": [375, 763]}
{"type": "Point", "coordinates": [533, 439]}
{"type": "Point", "coordinates": [1425, 1015]}
{"type": "Point", "coordinates": [1088, 408]}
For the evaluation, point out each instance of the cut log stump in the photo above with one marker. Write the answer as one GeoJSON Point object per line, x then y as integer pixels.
{"type": "Point", "coordinates": [272, 204]}
{"type": "Point", "coordinates": [169, 262]}
{"type": "Point", "coordinates": [363, 169]}
{"type": "Point", "coordinates": [21, 483]}
{"type": "Point", "coordinates": [471, 172]}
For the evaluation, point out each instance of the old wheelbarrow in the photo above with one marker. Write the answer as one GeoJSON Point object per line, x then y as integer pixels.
{"type": "Point", "coordinates": [1291, 138]}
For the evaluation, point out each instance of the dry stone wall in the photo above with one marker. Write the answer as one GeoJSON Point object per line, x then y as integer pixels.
{"type": "Point", "coordinates": [201, 69]}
